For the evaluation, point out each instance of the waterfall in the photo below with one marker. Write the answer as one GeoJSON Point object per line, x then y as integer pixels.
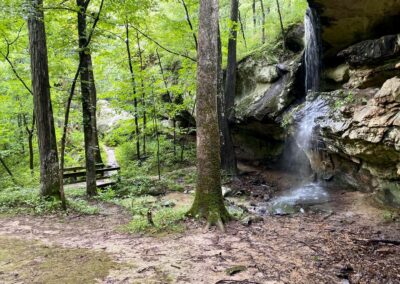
{"type": "Point", "coordinates": [307, 192]}
{"type": "Point", "coordinates": [312, 59]}
{"type": "Point", "coordinates": [312, 56]}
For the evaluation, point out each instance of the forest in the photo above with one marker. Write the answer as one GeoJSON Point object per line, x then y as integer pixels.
{"type": "Point", "coordinates": [199, 141]}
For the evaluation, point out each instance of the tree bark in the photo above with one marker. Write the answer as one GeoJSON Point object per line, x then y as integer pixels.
{"type": "Point", "coordinates": [140, 52]}
{"type": "Point", "coordinates": [5, 167]}
{"type": "Point", "coordinates": [93, 94]}
{"type": "Point", "coordinates": [49, 182]}
{"type": "Point", "coordinates": [228, 158]}
{"type": "Point", "coordinates": [262, 21]}
{"type": "Point", "coordinates": [281, 23]}
{"type": "Point", "coordinates": [242, 29]}
{"type": "Point", "coordinates": [208, 201]}
{"type": "Point", "coordinates": [87, 103]}
{"type": "Point", "coordinates": [135, 101]}
{"type": "Point", "coordinates": [30, 132]}
{"type": "Point", "coordinates": [253, 6]}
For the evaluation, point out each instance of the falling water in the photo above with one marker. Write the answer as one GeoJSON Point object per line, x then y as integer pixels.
{"type": "Point", "coordinates": [312, 56]}
{"type": "Point", "coordinates": [308, 192]}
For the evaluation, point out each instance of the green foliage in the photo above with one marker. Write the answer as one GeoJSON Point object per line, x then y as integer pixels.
{"type": "Point", "coordinates": [166, 221]}
{"type": "Point", "coordinates": [157, 27]}
{"type": "Point", "coordinates": [25, 200]}
{"type": "Point", "coordinates": [344, 100]}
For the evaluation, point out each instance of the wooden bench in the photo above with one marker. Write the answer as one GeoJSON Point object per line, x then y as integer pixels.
{"type": "Point", "coordinates": [75, 175]}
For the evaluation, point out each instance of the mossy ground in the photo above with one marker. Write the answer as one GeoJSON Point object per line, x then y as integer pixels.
{"type": "Point", "coordinates": [27, 261]}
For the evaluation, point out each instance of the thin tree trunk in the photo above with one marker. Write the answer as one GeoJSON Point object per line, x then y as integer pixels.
{"type": "Point", "coordinates": [253, 6]}
{"type": "Point", "coordinates": [190, 23]}
{"type": "Point", "coordinates": [228, 158]}
{"type": "Point", "coordinates": [208, 201]}
{"type": "Point", "coordinates": [30, 132]}
{"type": "Point", "coordinates": [187, 131]}
{"type": "Point", "coordinates": [93, 94]}
{"type": "Point", "coordinates": [242, 29]}
{"type": "Point", "coordinates": [87, 103]}
{"type": "Point", "coordinates": [64, 135]}
{"type": "Point", "coordinates": [5, 167]}
{"type": "Point", "coordinates": [42, 102]}
{"type": "Point", "coordinates": [157, 138]}
{"type": "Point", "coordinates": [281, 23]}
{"type": "Point", "coordinates": [262, 21]}
{"type": "Point", "coordinates": [135, 101]}
{"type": "Point", "coordinates": [143, 93]}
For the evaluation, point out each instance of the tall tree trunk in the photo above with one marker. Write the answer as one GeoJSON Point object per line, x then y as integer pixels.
{"type": "Point", "coordinates": [49, 182]}
{"type": "Point", "coordinates": [87, 103]}
{"type": "Point", "coordinates": [143, 92]}
{"type": "Point", "coordinates": [228, 158]}
{"type": "Point", "coordinates": [281, 23]}
{"type": "Point", "coordinates": [262, 21]}
{"type": "Point", "coordinates": [208, 201]}
{"type": "Point", "coordinates": [135, 100]}
{"type": "Point", "coordinates": [93, 94]}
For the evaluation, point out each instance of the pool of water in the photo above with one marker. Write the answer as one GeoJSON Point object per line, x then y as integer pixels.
{"type": "Point", "coordinates": [295, 200]}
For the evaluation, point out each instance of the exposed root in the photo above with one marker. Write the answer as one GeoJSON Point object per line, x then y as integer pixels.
{"type": "Point", "coordinates": [220, 225]}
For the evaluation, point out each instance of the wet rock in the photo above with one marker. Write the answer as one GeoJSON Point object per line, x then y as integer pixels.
{"type": "Point", "coordinates": [359, 145]}
{"type": "Point", "coordinates": [371, 52]}
{"type": "Point", "coordinates": [267, 84]}
{"type": "Point", "coordinates": [371, 62]}
{"type": "Point", "coordinates": [339, 74]}
{"type": "Point", "coordinates": [375, 76]}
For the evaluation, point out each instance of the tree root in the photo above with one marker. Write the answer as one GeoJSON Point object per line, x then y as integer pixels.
{"type": "Point", "coordinates": [219, 224]}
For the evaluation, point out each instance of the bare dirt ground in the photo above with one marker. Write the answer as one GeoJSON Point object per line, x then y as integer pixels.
{"type": "Point", "coordinates": [304, 248]}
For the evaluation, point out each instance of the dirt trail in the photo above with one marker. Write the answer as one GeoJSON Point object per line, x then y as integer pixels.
{"type": "Point", "coordinates": [306, 248]}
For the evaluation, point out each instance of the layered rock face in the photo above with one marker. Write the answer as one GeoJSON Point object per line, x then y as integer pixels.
{"type": "Point", "coordinates": [345, 22]}
{"type": "Point", "coordinates": [368, 63]}
{"type": "Point", "coordinates": [266, 88]}
{"type": "Point", "coordinates": [357, 130]}
{"type": "Point", "coordinates": [359, 139]}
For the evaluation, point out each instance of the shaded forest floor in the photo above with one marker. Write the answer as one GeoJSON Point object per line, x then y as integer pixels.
{"type": "Point", "coordinates": [311, 247]}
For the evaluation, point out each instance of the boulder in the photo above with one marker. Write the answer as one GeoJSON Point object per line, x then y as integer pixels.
{"type": "Point", "coordinates": [266, 88]}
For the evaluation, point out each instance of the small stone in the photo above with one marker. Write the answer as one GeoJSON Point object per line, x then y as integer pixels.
{"type": "Point", "coordinates": [226, 191]}
{"type": "Point", "coordinates": [235, 269]}
{"type": "Point", "coordinates": [247, 221]}
{"type": "Point", "coordinates": [168, 203]}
